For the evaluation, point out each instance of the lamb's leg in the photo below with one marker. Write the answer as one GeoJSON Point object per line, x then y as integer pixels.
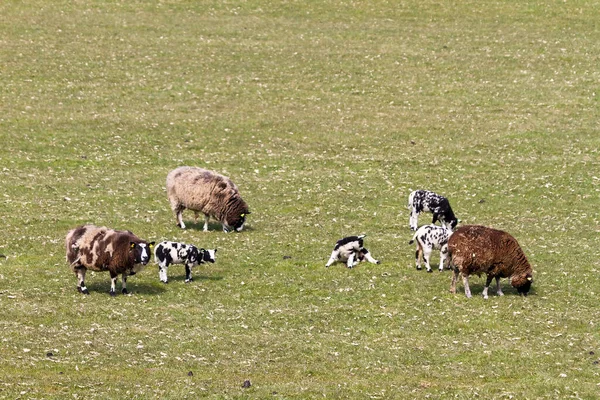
{"type": "Point", "coordinates": [487, 286]}
{"type": "Point", "coordinates": [350, 262]}
{"type": "Point", "coordinates": [418, 254]}
{"type": "Point", "coordinates": [113, 283]}
{"type": "Point", "coordinates": [124, 283]}
{"type": "Point", "coordinates": [426, 256]}
{"type": "Point", "coordinates": [188, 273]}
{"type": "Point", "coordinates": [81, 280]}
{"type": "Point", "coordinates": [162, 272]}
{"type": "Point", "coordinates": [466, 285]}
{"type": "Point", "coordinates": [333, 258]}
{"type": "Point", "coordinates": [365, 254]}
{"type": "Point", "coordinates": [206, 217]}
{"type": "Point", "coordinates": [414, 219]}
{"type": "Point", "coordinates": [498, 288]}
{"type": "Point", "coordinates": [443, 256]}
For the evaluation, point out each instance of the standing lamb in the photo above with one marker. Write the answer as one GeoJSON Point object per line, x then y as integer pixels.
{"type": "Point", "coordinates": [167, 253]}
{"type": "Point", "coordinates": [207, 192]}
{"type": "Point", "coordinates": [104, 249]}
{"type": "Point", "coordinates": [429, 238]}
{"type": "Point", "coordinates": [426, 201]}
{"type": "Point", "coordinates": [476, 249]}
{"type": "Point", "coordinates": [351, 251]}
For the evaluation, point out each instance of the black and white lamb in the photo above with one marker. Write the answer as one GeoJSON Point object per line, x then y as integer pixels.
{"type": "Point", "coordinates": [429, 238]}
{"type": "Point", "coordinates": [167, 253]}
{"type": "Point", "coordinates": [351, 251]}
{"type": "Point", "coordinates": [425, 201]}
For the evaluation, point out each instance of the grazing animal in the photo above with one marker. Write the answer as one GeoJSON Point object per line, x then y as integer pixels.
{"type": "Point", "coordinates": [476, 249]}
{"type": "Point", "coordinates": [167, 253]}
{"type": "Point", "coordinates": [426, 201]}
{"type": "Point", "coordinates": [206, 192]}
{"type": "Point", "coordinates": [103, 249]}
{"type": "Point", "coordinates": [351, 251]}
{"type": "Point", "coordinates": [429, 238]}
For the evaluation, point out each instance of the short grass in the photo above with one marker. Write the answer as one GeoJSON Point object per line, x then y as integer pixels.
{"type": "Point", "coordinates": [326, 114]}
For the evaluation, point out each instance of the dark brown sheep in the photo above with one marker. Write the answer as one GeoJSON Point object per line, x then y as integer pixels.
{"type": "Point", "coordinates": [207, 192]}
{"type": "Point", "coordinates": [476, 249]}
{"type": "Point", "coordinates": [103, 249]}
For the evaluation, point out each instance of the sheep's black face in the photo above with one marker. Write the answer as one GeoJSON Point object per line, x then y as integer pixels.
{"type": "Point", "coordinates": [524, 285]}
{"type": "Point", "coordinates": [209, 255]}
{"type": "Point", "coordinates": [237, 224]}
{"type": "Point", "coordinates": [141, 252]}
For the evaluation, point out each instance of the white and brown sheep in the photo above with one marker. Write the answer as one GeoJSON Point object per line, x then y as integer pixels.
{"type": "Point", "coordinates": [207, 192]}
{"type": "Point", "coordinates": [476, 249]}
{"type": "Point", "coordinates": [103, 249]}
{"type": "Point", "coordinates": [429, 238]}
{"type": "Point", "coordinates": [426, 201]}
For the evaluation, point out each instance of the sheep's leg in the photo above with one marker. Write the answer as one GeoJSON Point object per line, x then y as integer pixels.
{"type": "Point", "coordinates": [124, 283]}
{"type": "Point", "coordinates": [466, 285]}
{"type": "Point", "coordinates": [206, 218]}
{"type": "Point", "coordinates": [443, 256]}
{"type": "Point", "coordinates": [113, 283]}
{"type": "Point", "coordinates": [179, 218]}
{"type": "Point", "coordinates": [333, 258]}
{"type": "Point", "coordinates": [426, 256]}
{"type": "Point", "coordinates": [81, 280]}
{"type": "Point", "coordinates": [414, 219]}
{"type": "Point", "coordinates": [498, 288]}
{"type": "Point", "coordinates": [365, 254]}
{"type": "Point", "coordinates": [454, 279]}
{"type": "Point", "coordinates": [350, 262]}
{"type": "Point", "coordinates": [487, 286]}
{"type": "Point", "coordinates": [188, 273]}
{"type": "Point", "coordinates": [196, 215]}
{"type": "Point", "coordinates": [418, 253]}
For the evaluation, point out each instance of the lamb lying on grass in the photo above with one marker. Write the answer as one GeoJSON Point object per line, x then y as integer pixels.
{"type": "Point", "coordinates": [351, 251]}
{"type": "Point", "coordinates": [476, 249]}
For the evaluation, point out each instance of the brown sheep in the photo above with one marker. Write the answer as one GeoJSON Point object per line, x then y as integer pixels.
{"type": "Point", "coordinates": [476, 249]}
{"type": "Point", "coordinates": [103, 249]}
{"type": "Point", "coordinates": [207, 192]}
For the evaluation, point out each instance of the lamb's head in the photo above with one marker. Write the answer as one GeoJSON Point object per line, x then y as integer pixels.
{"type": "Point", "coordinates": [208, 255]}
{"type": "Point", "coordinates": [141, 252]}
{"type": "Point", "coordinates": [522, 282]}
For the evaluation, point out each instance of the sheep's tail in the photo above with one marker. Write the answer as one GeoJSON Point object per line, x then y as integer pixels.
{"type": "Point", "coordinates": [413, 238]}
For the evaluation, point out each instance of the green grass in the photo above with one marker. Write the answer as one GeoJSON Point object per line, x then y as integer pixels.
{"type": "Point", "coordinates": [326, 115]}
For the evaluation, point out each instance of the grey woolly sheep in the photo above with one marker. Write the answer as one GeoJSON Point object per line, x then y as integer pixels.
{"type": "Point", "coordinates": [207, 192]}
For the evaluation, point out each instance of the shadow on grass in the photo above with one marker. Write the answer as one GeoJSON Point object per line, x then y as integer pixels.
{"type": "Point", "coordinates": [132, 287]}
{"type": "Point", "coordinates": [195, 277]}
{"type": "Point", "coordinates": [507, 289]}
{"type": "Point", "coordinates": [212, 227]}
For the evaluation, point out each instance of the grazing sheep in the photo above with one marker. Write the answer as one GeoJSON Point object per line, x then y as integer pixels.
{"type": "Point", "coordinates": [350, 250]}
{"type": "Point", "coordinates": [207, 192]}
{"type": "Point", "coordinates": [476, 249]}
{"type": "Point", "coordinates": [167, 253]}
{"type": "Point", "coordinates": [428, 238]}
{"type": "Point", "coordinates": [426, 201]}
{"type": "Point", "coordinates": [104, 249]}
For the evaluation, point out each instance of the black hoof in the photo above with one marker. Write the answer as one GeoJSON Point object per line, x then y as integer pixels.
{"type": "Point", "coordinates": [429, 271]}
{"type": "Point", "coordinates": [378, 262]}
{"type": "Point", "coordinates": [83, 291]}
{"type": "Point", "coordinates": [124, 291]}
{"type": "Point", "coordinates": [112, 294]}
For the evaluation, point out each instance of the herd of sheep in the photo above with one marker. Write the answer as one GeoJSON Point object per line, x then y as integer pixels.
{"type": "Point", "coordinates": [470, 249]}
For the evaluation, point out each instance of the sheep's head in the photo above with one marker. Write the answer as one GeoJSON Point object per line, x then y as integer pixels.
{"type": "Point", "coordinates": [236, 223]}
{"type": "Point", "coordinates": [522, 283]}
{"type": "Point", "coordinates": [208, 255]}
{"type": "Point", "coordinates": [141, 252]}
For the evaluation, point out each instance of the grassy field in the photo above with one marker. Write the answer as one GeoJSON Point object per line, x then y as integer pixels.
{"type": "Point", "coordinates": [326, 114]}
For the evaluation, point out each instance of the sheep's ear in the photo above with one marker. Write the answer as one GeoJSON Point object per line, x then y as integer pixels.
{"type": "Point", "coordinates": [242, 215]}
{"type": "Point", "coordinates": [151, 245]}
{"type": "Point", "coordinates": [132, 245]}
{"type": "Point", "coordinates": [248, 212]}
{"type": "Point", "coordinates": [530, 279]}
{"type": "Point", "coordinates": [215, 249]}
